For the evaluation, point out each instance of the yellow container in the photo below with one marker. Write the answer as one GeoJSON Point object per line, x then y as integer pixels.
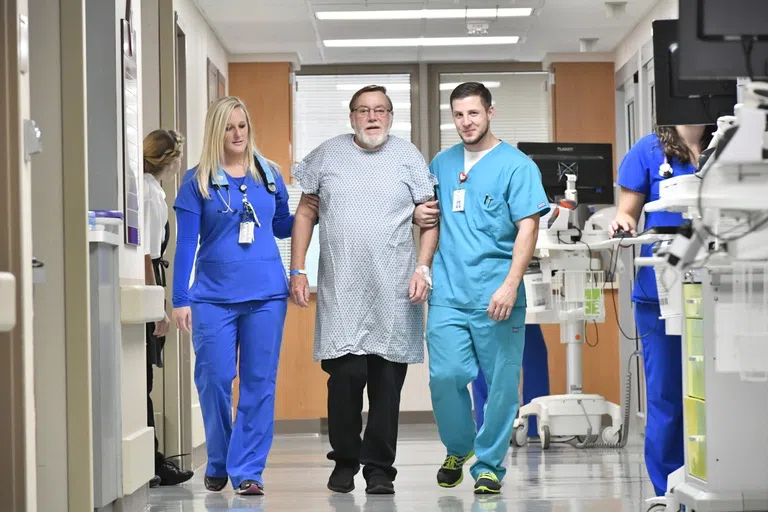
{"type": "Point", "coordinates": [692, 300]}
{"type": "Point", "coordinates": [696, 387]}
{"type": "Point", "coordinates": [695, 414]}
{"type": "Point", "coordinates": [694, 336]}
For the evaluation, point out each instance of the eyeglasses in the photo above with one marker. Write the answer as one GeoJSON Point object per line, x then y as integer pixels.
{"type": "Point", "coordinates": [364, 111]}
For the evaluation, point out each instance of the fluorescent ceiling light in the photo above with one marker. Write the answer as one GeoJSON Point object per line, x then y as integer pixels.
{"type": "Point", "coordinates": [426, 14]}
{"type": "Point", "coordinates": [451, 86]}
{"type": "Point", "coordinates": [420, 41]}
{"type": "Point", "coordinates": [357, 87]}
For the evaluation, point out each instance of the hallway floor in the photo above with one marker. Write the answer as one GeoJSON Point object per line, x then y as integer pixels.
{"type": "Point", "coordinates": [562, 479]}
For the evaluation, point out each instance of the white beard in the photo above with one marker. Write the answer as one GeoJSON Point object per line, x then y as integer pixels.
{"type": "Point", "coordinates": [372, 141]}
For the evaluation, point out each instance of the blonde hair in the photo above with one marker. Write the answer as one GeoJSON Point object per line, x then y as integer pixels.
{"type": "Point", "coordinates": [212, 156]}
{"type": "Point", "coordinates": [161, 147]}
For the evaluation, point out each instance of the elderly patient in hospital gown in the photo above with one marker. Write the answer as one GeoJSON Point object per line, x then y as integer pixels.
{"type": "Point", "coordinates": [371, 282]}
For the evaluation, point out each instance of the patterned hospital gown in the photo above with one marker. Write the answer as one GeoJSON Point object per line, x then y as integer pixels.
{"type": "Point", "coordinates": [367, 249]}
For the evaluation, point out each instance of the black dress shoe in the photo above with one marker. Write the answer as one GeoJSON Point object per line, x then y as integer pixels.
{"type": "Point", "coordinates": [380, 484]}
{"type": "Point", "coordinates": [171, 474]}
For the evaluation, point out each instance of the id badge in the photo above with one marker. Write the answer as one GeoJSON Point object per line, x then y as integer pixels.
{"type": "Point", "coordinates": [246, 232]}
{"type": "Point", "coordinates": [458, 200]}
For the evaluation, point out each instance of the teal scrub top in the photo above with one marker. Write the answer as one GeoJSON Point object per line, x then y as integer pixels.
{"type": "Point", "coordinates": [474, 254]}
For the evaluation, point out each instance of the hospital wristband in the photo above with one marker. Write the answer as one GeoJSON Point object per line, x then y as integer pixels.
{"type": "Point", "coordinates": [426, 273]}
{"type": "Point", "coordinates": [298, 272]}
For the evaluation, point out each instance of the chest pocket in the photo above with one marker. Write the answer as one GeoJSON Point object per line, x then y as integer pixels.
{"type": "Point", "coordinates": [489, 213]}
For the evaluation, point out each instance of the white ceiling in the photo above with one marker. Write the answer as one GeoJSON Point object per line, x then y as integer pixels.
{"type": "Point", "coordinates": [290, 27]}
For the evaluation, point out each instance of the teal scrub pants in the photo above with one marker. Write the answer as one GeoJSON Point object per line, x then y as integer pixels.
{"type": "Point", "coordinates": [460, 343]}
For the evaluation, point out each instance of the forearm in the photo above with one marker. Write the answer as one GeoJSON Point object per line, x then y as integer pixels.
{"type": "Point", "coordinates": [522, 253]}
{"type": "Point", "coordinates": [188, 226]}
{"type": "Point", "coordinates": [149, 271]}
{"type": "Point", "coordinates": [283, 227]}
{"type": "Point", "coordinates": [428, 245]}
{"type": "Point", "coordinates": [630, 203]}
{"type": "Point", "coordinates": [303, 226]}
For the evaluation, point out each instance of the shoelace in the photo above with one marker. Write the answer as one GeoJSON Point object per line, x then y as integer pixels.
{"type": "Point", "coordinates": [488, 476]}
{"type": "Point", "coordinates": [452, 462]}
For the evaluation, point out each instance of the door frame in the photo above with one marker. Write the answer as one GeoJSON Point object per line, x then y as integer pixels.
{"type": "Point", "coordinates": [13, 440]}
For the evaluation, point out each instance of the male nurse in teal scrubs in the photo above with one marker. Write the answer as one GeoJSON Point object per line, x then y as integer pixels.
{"type": "Point", "coordinates": [493, 198]}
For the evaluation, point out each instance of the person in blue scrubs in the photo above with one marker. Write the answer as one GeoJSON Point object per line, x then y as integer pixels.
{"type": "Point", "coordinates": [236, 203]}
{"type": "Point", "coordinates": [492, 199]}
{"type": "Point", "coordinates": [535, 377]}
{"type": "Point", "coordinates": [670, 151]}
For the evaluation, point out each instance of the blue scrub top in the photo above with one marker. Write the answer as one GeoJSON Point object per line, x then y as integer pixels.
{"type": "Point", "coordinates": [475, 250]}
{"type": "Point", "coordinates": [227, 271]}
{"type": "Point", "coordinates": [639, 171]}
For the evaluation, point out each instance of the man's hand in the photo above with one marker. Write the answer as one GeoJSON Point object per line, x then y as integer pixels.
{"type": "Point", "coordinates": [161, 327]}
{"type": "Point", "coordinates": [418, 290]}
{"type": "Point", "coordinates": [623, 221]}
{"type": "Point", "coordinates": [502, 302]}
{"type": "Point", "coordinates": [427, 215]}
{"type": "Point", "coordinates": [300, 290]}
{"type": "Point", "coordinates": [312, 202]}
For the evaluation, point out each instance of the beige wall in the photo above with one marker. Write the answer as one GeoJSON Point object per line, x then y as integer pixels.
{"type": "Point", "coordinates": [48, 243]}
{"type": "Point", "coordinates": [642, 32]}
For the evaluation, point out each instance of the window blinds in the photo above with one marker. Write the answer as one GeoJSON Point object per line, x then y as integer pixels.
{"type": "Point", "coordinates": [321, 107]}
{"type": "Point", "coordinates": [521, 103]}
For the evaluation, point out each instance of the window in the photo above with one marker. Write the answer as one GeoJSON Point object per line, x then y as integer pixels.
{"type": "Point", "coordinates": [321, 107]}
{"type": "Point", "coordinates": [521, 102]}
{"type": "Point", "coordinates": [653, 106]}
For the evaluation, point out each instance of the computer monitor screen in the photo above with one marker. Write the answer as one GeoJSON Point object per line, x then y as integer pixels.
{"type": "Point", "coordinates": [710, 33]}
{"type": "Point", "coordinates": [591, 163]}
{"type": "Point", "coordinates": [679, 101]}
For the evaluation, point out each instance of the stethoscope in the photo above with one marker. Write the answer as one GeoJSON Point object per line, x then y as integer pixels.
{"type": "Point", "coordinates": [665, 170]}
{"type": "Point", "coordinates": [219, 180]}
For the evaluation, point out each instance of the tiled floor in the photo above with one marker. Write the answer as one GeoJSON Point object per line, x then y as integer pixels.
{"type": "Point", "coordinates": [561, 479]}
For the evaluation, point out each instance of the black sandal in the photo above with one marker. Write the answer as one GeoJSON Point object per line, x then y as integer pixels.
{"type": "Point", "coordinates": [251, 487]}
{"type": "Point", "coordinates": [216, 483]}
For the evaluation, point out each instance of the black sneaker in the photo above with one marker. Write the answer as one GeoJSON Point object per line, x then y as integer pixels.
{"type": "Point", "coordinates": [379, 483]}
{"type": "Point", "coordinates": [171, 474]}
{"type": "Point", "coordinates": [487, 483]}
{"type": "Point", "coordinates": [215, 483]}
{"type": "Point", "coordinates": [250, 488]}
{"type": "Point", "coordinates": [342, 479]}
{"type": "Point", "coordinates": [452, 472]}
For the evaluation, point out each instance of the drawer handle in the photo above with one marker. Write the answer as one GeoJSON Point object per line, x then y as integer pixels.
{"type": "Point", "coordinates": [697, 439]}
{"type": "Point", "coordinates": [696, 359]}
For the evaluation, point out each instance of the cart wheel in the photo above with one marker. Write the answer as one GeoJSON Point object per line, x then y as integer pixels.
{"type": "Point", "coordinates": [519, 437]}
{"type": "Point", "coordinates": [545, 437]}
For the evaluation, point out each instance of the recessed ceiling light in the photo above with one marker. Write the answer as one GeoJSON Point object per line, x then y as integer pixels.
{"type": "Point", "coordinates": [429, 14]}
{"type": "Point", "coordinates": [421, 41]}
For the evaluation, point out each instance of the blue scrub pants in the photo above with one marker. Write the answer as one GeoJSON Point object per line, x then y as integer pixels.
{"type": "Point", "coordinates": [662, 358]}
{"type": "Point", "coordinates": [460, 343]}
{"type": "Point", "coordinates": [218, 331]}
{"type": "Point", "coordinates": [535, 377]}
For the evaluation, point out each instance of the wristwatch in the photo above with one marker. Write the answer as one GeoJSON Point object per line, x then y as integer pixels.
{"type": "Point", "coordinates": [425, 273]}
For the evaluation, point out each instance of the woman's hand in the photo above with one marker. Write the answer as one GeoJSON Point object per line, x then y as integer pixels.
{"type": "Point", "coordinates": [182, 317]}
{"type": "Point", "coordinates": [624, 222]}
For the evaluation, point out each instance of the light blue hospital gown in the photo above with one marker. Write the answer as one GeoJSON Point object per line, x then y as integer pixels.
{"type": "Point", "coordinates": [367, 248]}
